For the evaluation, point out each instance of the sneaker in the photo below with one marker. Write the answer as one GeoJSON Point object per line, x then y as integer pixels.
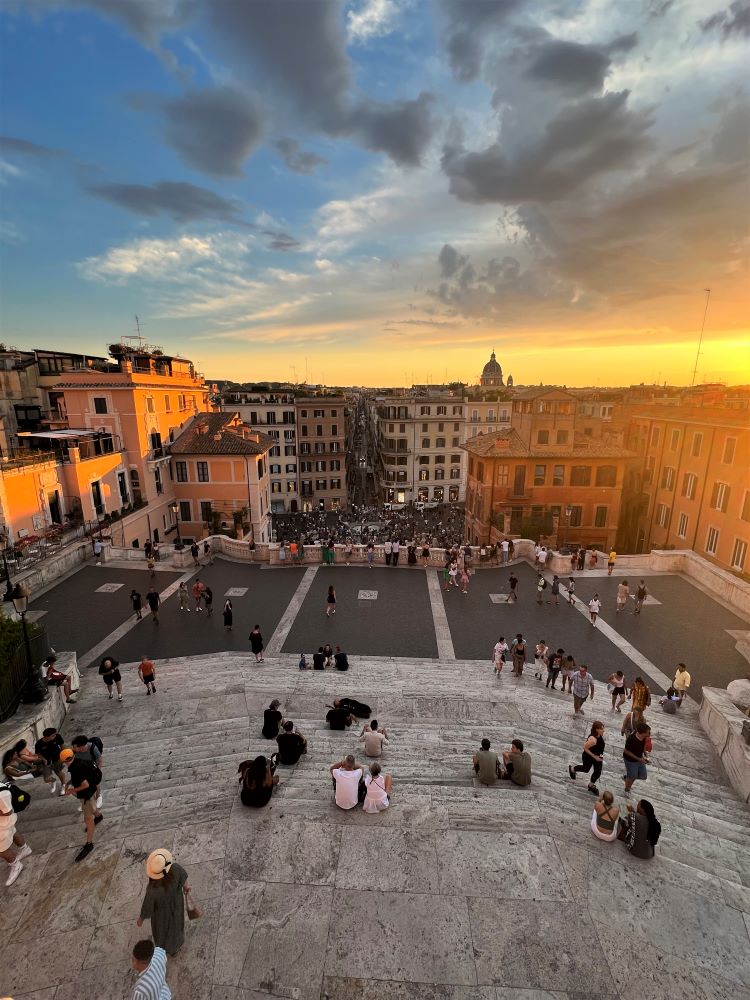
{"type": "Point", "coordinates": [99, 802]}
{"type": "Point", "coordinates": [23, 853]}
{"type": "Point", "coordinates": [154, 689]}
{"type": "Point", "coordinates": [119, 697]}
{"type": "Point", "coordinates": [62, 789]}
{"type": "Point", "coordinates": [571, 772]}
{"type": "Point", "coordinates": [84, 851]}
{"type": "Point", "coordinates": [111, 696]}
{"type": "Point", "coordinates": [97, 819]}
{"type": "Point", "coordinates": [148, 690]}
{"type": "Point", "coordinates": [15, 870]}
{"type": "Point", "coordinates": [53, 787]}
{"type": "Point", "coordinates": [593, 789]}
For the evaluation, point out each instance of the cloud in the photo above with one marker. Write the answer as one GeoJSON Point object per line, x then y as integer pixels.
{"type": "Point", "coordinates": [297, 159]}
{"type": "Point", "coordinates": [281, 241]}
{"type": "Point", "coordinates": [8, 170]}
{"type": "Point", "coordinates": [582, 141]}
{"type": "Point", "coordinates": [215, 130]}
{"type": "Point", "coordinates": [372, 19]}
{"type": "Point", "coordinates": [468, 27]}
{"type": "Point", "coordinates": [161, 259]}
{"type": "Point", "coordinates": [10, 234]}
{"type": "Point", "coordinates": [573, 67]}
{"type": "Point", "coordinates": [181, 201]}
{"type": "Point", "coordinates": [10, 144]}
{"type": "Point", "coordinates": [402, 129]}
{"type": "Point", "coordinates": [450, 261]}
{"type": "Point", "coordinates": [735, 20]}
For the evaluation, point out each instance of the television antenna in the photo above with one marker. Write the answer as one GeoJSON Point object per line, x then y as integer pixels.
{"type": "Point", "coordinates": [700, 339]}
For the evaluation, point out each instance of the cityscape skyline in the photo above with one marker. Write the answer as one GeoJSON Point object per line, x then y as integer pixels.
{"type": "Point", "coordinates": [378, 192]}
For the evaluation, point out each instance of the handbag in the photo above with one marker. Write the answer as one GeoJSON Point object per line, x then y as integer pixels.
{"type": "Point", "coordinates": [193, 911]}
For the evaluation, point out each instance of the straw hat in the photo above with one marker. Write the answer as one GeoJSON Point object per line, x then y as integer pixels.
{"type": "Point", "coordinates": [158, 863]}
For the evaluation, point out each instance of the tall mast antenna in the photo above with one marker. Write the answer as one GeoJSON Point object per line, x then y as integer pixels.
{"type": "Point", "coordinates": [700, 339]}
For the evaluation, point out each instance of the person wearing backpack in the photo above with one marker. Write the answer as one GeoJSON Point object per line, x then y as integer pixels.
{"type": "Point", "coordinates": [13, 847]}
{"type": "Point", "coordinates": [90, 749]}
{"type": "Point", "coordinates": [85, 778]}
{"type": "Point", "coordinates": [541, 586]}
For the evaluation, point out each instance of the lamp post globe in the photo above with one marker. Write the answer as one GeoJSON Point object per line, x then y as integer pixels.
{"type": "Point", "coordinates": [175, 509]}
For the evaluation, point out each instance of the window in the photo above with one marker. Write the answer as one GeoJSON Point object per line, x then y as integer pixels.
{"type": "Point", "coordinates": [167, 404]}
{"type": "Point", "coordinates": [739, 554]}
{"type": "Point", "coordinates": [180, 469]}
{"type": "Point", "coordinates": [502, 475]}
{"type": "Point", "coordinates": [319, 413]}
{"type": "Point", "coordinates": [122, 486]}
{"type": "Point", "coordinates": [542, 437]}
{"type": "Point", "coordinates": [100, 404]}
{"type": "Point", "coordinates": [321, 484]}
{"type": "Point", "coordinates": [335, 465]}
{"type": "Point", "coordinates": [150, 404]}
{"type": "Point", "coordinates": [424, 411]}
{"type": "Point", "coordinates": [275, 452]}
{"type": "Point", "coordinates": [275, 486]}
{"type": "Point", "coordinates": [606, 475]}
{"type": "Point", "coordinates": [455, 459]}
{"type": "Point", "coordinates": [540, 474]}
{"type": "Point", "coordinates": [745, 512]}
{"type": "Point", "coordinates": [206, 513]}
{"type": "Point", "coordinates": [455, 442]}
{"type": "Point", "coordinates": [202, 469]}
{"type": "Point", "coordinates": [401, 429]}
{"type": "Point", "coordinates": [442, 411]}
{"type": "Point", "coordinates": [558, 475]}
{"type": "Point", "coordinates": [712, 541]}
{"type": "Point", "coordinates": [319, 466]}
{"type": "Point", "coordinates": [270, 417]}
{"type": "Point", "coordinates": [455, 473]}
{"type": "Point", "coordinates": [648, 475]}
{"type": "Point", "coordinates": [425, 428]}
{"type": "Point", "coordinates": [662, 515]}
{"type": "Point", "coordinates": [319, 430]}
{"type": "Point", "coordinates": [441, 427]}
{"type": "Point", "coordinates": [453, 494]}
{"type": "Point", "coordinates": [562, 437]}
{"type": "Point", "coordinates": [424, 475]}
{"type": "Point", "coordinates": [580, 475]}
{"type": "Point", "coordinates": [306, 466]}
{"type": "Point", "coordinates": [185, 512]}
{"type": "Point", "coordinates": [304, 430]}
{"type": "Point", "coordinates": [674, 441]}
{"type": "Point", "coordinates": [682, 526]}
{"type": "Point", "coordinates": [291, 486]}
{"type": "Point", "coordinates": [440, 442]}
{"type": "Point", "coordinates": [275, 470]}
{"type": "Point", "coordinates": [288, 416]}
{"type": "Point", "coordinates": [439, 473]}
{"type": "Point", "coordinates": [576, 517]}
{"type": "Point", "coordinates": [334, 413]}
{"type": "Point", "coordinates": [600, 517]}
{"type": "Point", "coordinates": [303, 413]}
{"type": "Point", "coordinates": [424, 459]}
{"type": "Point", "coordinates": [654, 436]}
{"type": "Point", "coordinates": [425, 442]}
{"type": "Point", "coordinates": [729, 448]}
{"type": "Point", "coordinates": [697, 444]}
{"type": "Point", "coordinates": [335, 484]}
{"type": "Point", "coordinates": [480, 472]}
{"type": "Point", "coordinates": [439, 459]}
{"type": "Point", "coordinates": [335, 430]}
{"type": "Point", "coordinates": [667, 478]}
{"type": "Point", "coordinates": [720, 497]}
{"type": "Point", "coordinates": [290, 468]}
{"type": "Point", "coordinates": [689, 483]}
{"type": "Point", "coordinates": [289, 435]}
{"type": "Point", "coordinates": [289, 449]}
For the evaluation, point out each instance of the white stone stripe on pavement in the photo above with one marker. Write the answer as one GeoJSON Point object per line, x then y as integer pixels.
{"type": "Point", "coordinates": [284, 627]}
{"type": "Point", "coordinates": [439, 618]}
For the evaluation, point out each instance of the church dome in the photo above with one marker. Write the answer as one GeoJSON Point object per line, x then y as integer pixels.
{"type": "Point", "coordinates": [492, 373]}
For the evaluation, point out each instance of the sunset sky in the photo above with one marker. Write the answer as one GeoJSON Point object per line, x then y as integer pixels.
{"type": "Point", "coordinates": [381, 191]}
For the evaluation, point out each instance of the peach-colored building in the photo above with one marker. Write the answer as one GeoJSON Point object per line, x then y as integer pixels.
{"type": "Point", "coordinates": [219, 468]}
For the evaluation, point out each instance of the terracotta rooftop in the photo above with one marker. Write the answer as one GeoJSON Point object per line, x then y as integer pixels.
{"type": "Point", "coordinates": [209, 434]}
{"type": "Point", "coordinates": [493, 446]}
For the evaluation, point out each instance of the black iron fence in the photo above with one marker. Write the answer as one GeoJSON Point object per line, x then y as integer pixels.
{"type": "Point", "coordinates": [15, 673]}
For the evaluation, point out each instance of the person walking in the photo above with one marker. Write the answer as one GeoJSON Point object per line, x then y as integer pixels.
{"type": "Point", "coordinates": [151, 567]}
{"type": "Point", "coordinates": [256, 644]}
{"type": "Point", "coordinates": [156, 551]}
{"type": "Point", "coordinates": [208, 600]}
{"type": "Point", "coordinates": [541, 586]}
{"type": "Point", "coordinates": [331, 602]}
{"type": "Point", "coordinates": [640, 699]}
{"type": "Point", "coordinates": [635, 756]}
{"type": "Point", "coordinates": [388, 549]}
{"type": "Point", "coordinates": [13, 847]}
{"type": "Point", "coordinates": [681, 681]}
{"type": "Point", "coordinates": [504, 548]}
{"type": "Point", "coordinates": [348, 549]}
{"type": "Point", "coordinates": [195, 552]}
{"type": "Point", "coordinates": [153, 600]}
{"type": "Point", "coordinates": [518, 653]}
{"type": "Point", "coordinates": [183, 596]}
{"type": "Point", "coordinates": [464, 580]}
{"type": "Point", "coordinates": [453, 573]}
{"type": "Point", "coordinates": [110, 674]}
{"type": "Point", "coordinates": [151, 965]}
{"type": "Point", "coordinates": [395, 550]}
{"type": "Point", "coordinates": [595, 606]}
{"type": "Point", "coordinates": [611, 562]}
{"type": "Point", "coordinates": [98, 549]}
{"type": "Point", "coordinates": [641, 594]}
{"type": "Point", "coordinates": [48, 747]}
{"type": "Point", "coordinates": [85, 779]}
{"type": "Point", "coordinates": [89, 749]}
{"type": "Point", "coordinates": [571, 591]}
{"type": "Point", "coordinates": [164, 901]}
{"type": "Point", "coordinates": [619, 691]}
{"type": "Point", "coordinates": [592, 757]}
{"type": "Point", "coordinates": [147, 548]}
{"type": "Point", "coordinates": [197, 590]}
{"type": "Point", "coordinates": [147, 674]}
{"type": "Point", "coordinates": [573, 561]}
{"type": "Point", "coordinates": [513, 592]}
{"type": "Point", "coordinates": [540, 658]}
{"type": "Point", "coordinates": [499, 653]}
{"type": "Point", "coordinates": [555, 591]}
{"type": "Point", "coordinates": [623, 593]}
{"type": "Point", "coordinates": [568, 672]}
{"type": "Point", "coordinates": [227, 615]}
{"type": "Point", "coordinates": [137, 602]}
{"type": "Point", "coordinates": [511, 549]}
{"type": "Point", "coordinates": [208, 552]}
{"type": "Point", "coordinates": [425, 555]}
{"type": "Point", "coordinates": [583, 688]}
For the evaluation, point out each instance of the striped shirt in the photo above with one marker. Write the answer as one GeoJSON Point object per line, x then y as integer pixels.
{"type": "Point", "coordinates": [581, 684]}
{"type": "Point", "coordinates": [152, 982]}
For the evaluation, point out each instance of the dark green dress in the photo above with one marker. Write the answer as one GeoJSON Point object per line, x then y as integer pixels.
{"type": "Point", "coordinates": [164, 906]}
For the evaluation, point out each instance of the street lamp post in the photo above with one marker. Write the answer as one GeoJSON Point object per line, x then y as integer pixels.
{"type": "Point", "coordinates": [8, 595]}
{"type": "Point", "coordinates": [34, 690]}
{"type": "Point", "coordinates": [568, 512]}
{"type": "Point", "coordinates": [175, 508]}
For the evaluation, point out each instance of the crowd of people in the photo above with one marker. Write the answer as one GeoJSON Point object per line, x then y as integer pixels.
{"type": "Point", "coordinates": [442, 526]}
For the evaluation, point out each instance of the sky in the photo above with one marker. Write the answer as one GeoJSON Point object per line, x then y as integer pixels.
{"type": "Point", "coordinates": [381, 192]}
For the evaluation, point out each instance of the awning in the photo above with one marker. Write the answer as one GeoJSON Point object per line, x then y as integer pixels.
{"type": "Point", "coordinates": [64, 435]}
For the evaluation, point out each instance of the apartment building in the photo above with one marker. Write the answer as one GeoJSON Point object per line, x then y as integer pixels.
{"type": "Point", "coordinates": [692, 486]}
{"type": "Point", "coordinates": [538, 477]}
{"type": "Point", "coordinates": [220, 477]}
{"type": "Point", "coordinates": [321, 437]}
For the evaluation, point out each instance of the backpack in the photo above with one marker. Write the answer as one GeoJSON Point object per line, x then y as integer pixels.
{"type": "Point", "coordinates": [96, 741]}
{"type": "Point", "coordinates": [19, 798]}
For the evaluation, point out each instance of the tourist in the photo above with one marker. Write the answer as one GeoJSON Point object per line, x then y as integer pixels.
{"type": "Point", "coordinates": [592, 757]}
{"type": "Point", "coordinates": [640, 596]}
{"type": "Point", "coordinates": [98, 549]}
{"type": "Point", "coordinates": [541, 651]}
{"type": "Point", "coordinates": [198, 589]}
{"type": "Point", "coordinates": [331, 602]}
{"type": "Point", "coordinates": [425, 556]}
{"type": "Point", "coordinates": [555, 591]}
{"type": "Point", "coordinates": [151, 965]}
{"type": "Point", "coordinates": [499, 654]}
{"type": "Point", "coordinates": [623, 593]}
{"type": "Point", "coordinates": [90, 750]}
{"type": "Point", "coordinates": [258, 780]}
{"type": "Point", "coordinates": [319, 659]}
{"type": "Point", "coordinates": [511, 549]}
{"type": "Point", "coordinates": [594, 608]}
{"type": "Point", "coordinates": [582, 687]}
{"type": "Point", "coordinates": [328, 653]}
{"type": "Point", "coordinates": [513, 584]}
{"type": "Point", "coordinates": [370, 554]}
{"type": "Point", "coordinates": [156, 551]}
{"type": "Point", "coordinates": [183, 596]}
{"type": "Point", "coordinates": [464, 580]}
{"type": "Point", "coordinates": [85, 779]}
{"type": "Point", "coordinates": [374, 739]}
{"type": "Point", "coordinates": [378, 795]}
{"type": "Point", "coordinates": [518, 654]}
{"type": "Point", "coordinates": [227, 615]}
{"type": "Point", "coordinates": [292, 744]}
{"type": "Point", "coordinates": [195, 552]}
{"type": "Point", "coordinates": [571, 591]}
{"type": "Point", "coordinates": [302, 662]}
{"type": "Point", "coordinates": [517, 764]}
{"type": "Point", "coordinates": [153, 600]}
{"type": "Point", "coordinates": [338, 717]}
{"type": "Point", "coordinates": [581, 558]}
{"type": "Point", "coordinates": [640, 699]}
{"type": "Point", "coordinates": [110, 674]}
{"type": "Point", "coordinates": [486, 764]}
{"type": "Point", "coordinates": [555, 663]}
{"type": "Point", "coordinates": [670, 702]}
{"type": "Point", "coordinates": [147, 673]}
{"type": "Point", "coordinates": [681, 681]}
{"type": "Point", "coordinates": [272, 720]}
{"type": "Point", "coordinates": [568, 669]}
{"type": "Point", "coordinates": [453, 573]}
{"type": "Point", "coordinates": [573, 561]}
{"type": "Point", "coordinates": [348, 549]}
{"type": "Point", "coordinates": [13, 847]}
{"type": "Point", "coordinates": [208, 551]}
{"type": "Point", "coordinates": [640, 830]}
{"type": "Point", "coordinates": [151, 564]}
{"type": "Point", "coordinates": [395, 549]}
{"type": "Point", "coordinates": [137, 602]}
{"type": "Point", "coordinates": [282, 554]}
{"type": "Point", "coordinates": [635, 757]}
{"type": "Point", "coordinates": [48, 748]}
{"type": "Point", "coordinates": [294, 552]}
{"type": "Point", "coordinates": [19, 763]}
{"type": "Point", "coordinates": [387, 549]}
{"type": "Point", "coordinates": [208, 600]}
{"type": "Point", "coordinates": [147, 548]}
{"type": "Point", "coordinates": [541, 586]}
{"type": "Point", "coordinates": [593, 562]}
{"type": "Point", "coordinates": [56, 678]}
{"type": "Point", "coordinates": [331, 551]}
{"type": "Point", "coordinates": [618, 689]}
{"type": "Point", "coordinates": [604, 818]}
{"type": "Point", "coordinates": [611, 562]}
{"type": "Point", "coordinates": [346, 776]}
{"type": "Point", "coordinates": [341, 659]}
{"type": "Point", "coordinates": [256, 644]}
{"type": "Point", "coordinates": [504, 548]}
{"type": "Point", "coordinates": [163, 903]}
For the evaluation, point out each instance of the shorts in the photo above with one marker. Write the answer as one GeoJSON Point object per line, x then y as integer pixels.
{"type": "Point", "coordinates": [55, 682]}
{"type": "Point", "coordinates": [6, 836]}
{"type": "Point", "coordinates": [578, 702]}
{"type": "Point", "coordinates": [88, 806]}
{"type": "Point", "coordinates": [115, 678]}
{"type": "Point", "coordinates": [56, 768]}
{"type": "Point", "coordinates": [148, 679]}
{"type": "Point", "coordinates": [620, 690]}
{"type": "Point", "coordinates": [635, 770]}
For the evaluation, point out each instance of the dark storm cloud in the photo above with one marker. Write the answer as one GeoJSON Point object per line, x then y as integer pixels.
{"type": "Point", "coordinates": [10, 145]}
{"type": "Point", "coordinates": [296, 158]}
{"type": "Point", "coordinates": [450, 261]}
{"type": "Point", "coordinates": [214, 130]}
{"type": "Point", "coordinates": [401, 129]}
{"type": "Point", "coordinates": [583, 140]}
{"type": "Point", "coordinates": [180, 201]}
{"type": "Point", "coordinates": [570, 66]}
{"type": "Point", "coordinates": [466, 27]}
{"type": "Point", "coordinates": [735, 20]}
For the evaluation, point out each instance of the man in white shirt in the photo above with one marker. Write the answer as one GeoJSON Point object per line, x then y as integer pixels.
{"type": "Point", "coordinates": [346, 777]}
{"type": "Point", "coordinates": [504, 546]}
{"type": "Point", "coordinates": [151, 964]}
{"type": "Point", "coordinates": [374, 739]}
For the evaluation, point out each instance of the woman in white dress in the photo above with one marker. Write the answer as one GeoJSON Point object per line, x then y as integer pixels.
{"type": "Point", "coordinates": [378, 790]}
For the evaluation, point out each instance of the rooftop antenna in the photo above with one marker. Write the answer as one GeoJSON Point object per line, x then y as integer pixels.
{"type": "Point", "coordinates": [700, 339]}
{"type": "Point", "coordinates": [138, 333]}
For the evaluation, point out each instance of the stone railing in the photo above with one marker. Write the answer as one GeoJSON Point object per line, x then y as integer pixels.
{"type": "Point", "coordinates": [723, 716]}
{"type": "Point", "coordinates": [30, 720]}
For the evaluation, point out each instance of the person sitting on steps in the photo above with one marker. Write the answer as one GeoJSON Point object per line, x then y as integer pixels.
{"type": "Point", "coordinates": [517, 762]}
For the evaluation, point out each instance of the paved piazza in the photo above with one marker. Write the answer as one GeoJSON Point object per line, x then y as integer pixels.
{"type": "Point", "coordinates": [456, 892]}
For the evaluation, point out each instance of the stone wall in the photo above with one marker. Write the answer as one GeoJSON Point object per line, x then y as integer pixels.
{"type": "Point", "coordinates": [31, 720]}
{"type": "Point", "coordinates": [723, 723]}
